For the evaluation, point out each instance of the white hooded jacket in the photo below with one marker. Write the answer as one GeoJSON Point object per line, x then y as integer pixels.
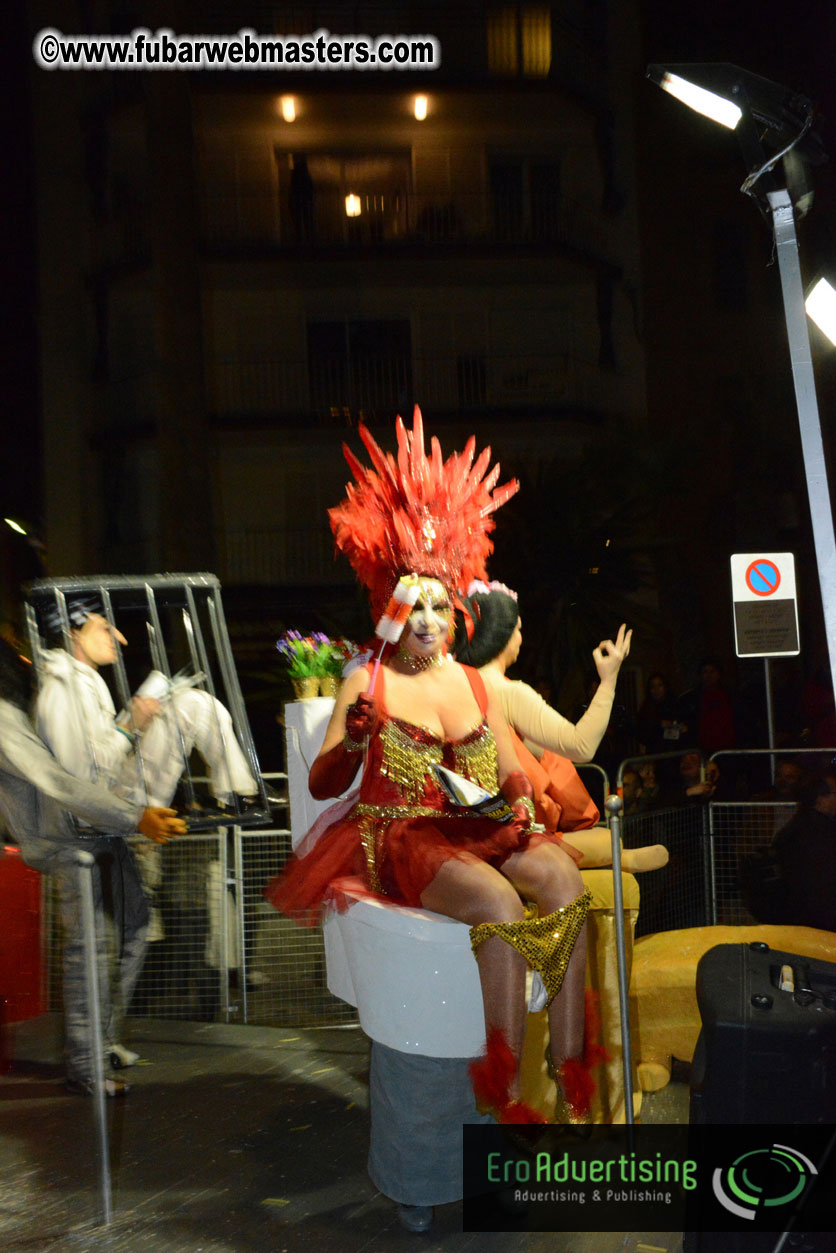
{"type": "Point", "coordinates": [76, 717]}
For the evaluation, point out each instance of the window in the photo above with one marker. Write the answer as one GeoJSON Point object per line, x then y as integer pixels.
{"type": "Point", "coordinates": [520, 40]}
{"type": "Point", "coordinates": [471, 379]}
{"type": "Point", "coordinates": [360, 369]}
{"type": "Point", "coordinates": [313, 190]}
{"type": "Point", "coordinates": [526, 199]}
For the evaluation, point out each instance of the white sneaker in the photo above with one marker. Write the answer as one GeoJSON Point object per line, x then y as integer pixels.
{"type": "Point", "coordinates": [120, 1057]}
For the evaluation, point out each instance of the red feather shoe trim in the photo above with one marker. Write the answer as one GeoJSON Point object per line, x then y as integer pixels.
{"type": "Point", "coordinates": [576, 1083]}
{"type": "Point", "coordinates": [492, 1076]}
{"type": "Point", "coordinates": [518, 1112]}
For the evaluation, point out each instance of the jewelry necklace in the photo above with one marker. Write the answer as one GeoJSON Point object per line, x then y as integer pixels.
{"type": "Point", "coordinates": [415, 663]}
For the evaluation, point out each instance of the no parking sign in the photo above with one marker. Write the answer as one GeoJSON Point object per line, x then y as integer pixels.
{"type": "Point", "coordinates": [765, 608]}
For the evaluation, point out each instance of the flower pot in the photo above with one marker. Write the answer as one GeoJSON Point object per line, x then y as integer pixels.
{"type": "Point", "coordinates": [329, 685]}
{"type": "Point", "coordinates": [307, 688]}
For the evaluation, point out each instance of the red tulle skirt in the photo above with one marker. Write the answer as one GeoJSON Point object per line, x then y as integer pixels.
{"type": "Point", "coordinates": [410, 852]}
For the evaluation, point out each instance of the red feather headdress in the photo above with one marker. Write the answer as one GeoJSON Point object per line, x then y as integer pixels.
{"type": "Point", "coordinates": [417, 514]}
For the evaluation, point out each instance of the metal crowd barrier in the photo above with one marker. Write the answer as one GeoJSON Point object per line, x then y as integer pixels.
{"type": "Point", "coordinates": [677, 895]}
{"type": "Point", "coordinates": [709, 842]}
{"type": "Point", "coordinates": [218, 951]}
{"type": "Point", "coordinates": [223, 953]}
{"type": "Point", "coordinates": [597, 783]}
{"type": "Point", "coordinates": [739, 830]}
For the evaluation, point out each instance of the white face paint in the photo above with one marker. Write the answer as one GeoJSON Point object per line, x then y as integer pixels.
{"type": "Point", "coordinates": [428, 625]}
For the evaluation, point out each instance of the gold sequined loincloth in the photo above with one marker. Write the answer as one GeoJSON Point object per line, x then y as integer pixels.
{"type": "Point", "coordinates": [545, 943]}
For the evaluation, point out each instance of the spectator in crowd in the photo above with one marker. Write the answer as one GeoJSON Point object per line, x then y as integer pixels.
{"type": "Point", "coordinates": [302, 199]}
{"type": "Point", "coordinates": [659, 723]}
{"type": "Point", "coordinates": [818, 708]}
{"type": "Point", "coordinates": [631, 792]}
{"type": "Point", "coordinates": [711, 710]}
{"type": "Point", "coordinates": [787, 784]}
{"type": "Point", "coordinates": [651, 791]}
{"type": "Point", "coordinates": [794, 881]}
{"type": "Point", "coordinates": [694, 784]}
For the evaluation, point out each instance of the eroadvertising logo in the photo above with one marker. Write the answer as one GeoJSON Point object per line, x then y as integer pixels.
{"type": "Point", "coordinates": [769, 1178]}
{"type": "Point", "coordinates": [649, 1178]}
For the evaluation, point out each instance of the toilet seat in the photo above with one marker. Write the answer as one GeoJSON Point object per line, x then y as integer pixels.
{"type": "Point", "coordinates": [409, 972]}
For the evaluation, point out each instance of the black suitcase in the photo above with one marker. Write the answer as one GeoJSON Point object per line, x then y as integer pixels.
{"type": "Point", "coordinates": [764, 1055]}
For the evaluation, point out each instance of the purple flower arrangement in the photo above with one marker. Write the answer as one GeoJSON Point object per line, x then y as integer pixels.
{"type": "Point", "coordinates": [314, 655]}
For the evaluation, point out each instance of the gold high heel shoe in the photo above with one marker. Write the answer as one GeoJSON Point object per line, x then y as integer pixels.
{"type": "Point", "coordinates": [573, 1077]}
{"type": "Point", "coordinates": [575, 1113]}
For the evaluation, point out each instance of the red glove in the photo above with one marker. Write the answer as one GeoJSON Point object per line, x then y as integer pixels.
{"type": "Point", "coordinates": [333, 773]}
{"type": "Point", "coordinates": [519, 794]}
{"type": "Point", "coordinates": [360, 719]}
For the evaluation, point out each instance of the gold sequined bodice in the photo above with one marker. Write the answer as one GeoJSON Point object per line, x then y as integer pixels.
{"type": "Point", "coordinates": [407, 754]}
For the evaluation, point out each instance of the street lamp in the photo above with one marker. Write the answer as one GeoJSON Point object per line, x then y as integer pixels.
{"type": "Point", "coordinates": [821, 307]}
{"type": "Point", "coordinates": [776, 126]}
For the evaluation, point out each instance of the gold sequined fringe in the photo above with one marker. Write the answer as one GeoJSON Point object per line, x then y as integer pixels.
{"type": "Point", "coordinates": [545, 943]}
{"type": "Point", "coordinates": [477, 761]}
{"type": "Point", "coordinates": [406, 761]}
{"type": "Point", "coordinates": [368, 837]}
{"type": "Point", "coordinates": [372, 817]}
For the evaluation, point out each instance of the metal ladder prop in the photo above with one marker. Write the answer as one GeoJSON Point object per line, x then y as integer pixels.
{"type": "Point", "coordinates": [174, 622]}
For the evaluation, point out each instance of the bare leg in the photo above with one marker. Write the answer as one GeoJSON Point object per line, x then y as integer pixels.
{"type": "Point", "coordinates": [474, 892]}
{"type": "Point", "coordinates": [549, 876]}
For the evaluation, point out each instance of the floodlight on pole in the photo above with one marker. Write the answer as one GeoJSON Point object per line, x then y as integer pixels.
{"type": "Point", "coordinates": [776, 125]}
{"type": "Point", "coordinates": [821, 307]}
{"type": "Point", "coordinates": [718, 108]}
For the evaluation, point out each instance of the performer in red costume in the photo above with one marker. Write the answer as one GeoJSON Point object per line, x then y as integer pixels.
{"type": "Point", "coordinates": [423, 517]}
{"type": "Point", "coordinates": [489, 636]}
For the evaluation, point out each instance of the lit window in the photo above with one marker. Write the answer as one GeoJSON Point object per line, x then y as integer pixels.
{"type": "Point", "coordinates": [520, 40]}
{"type": "Point", "coordinates": [536, 40]}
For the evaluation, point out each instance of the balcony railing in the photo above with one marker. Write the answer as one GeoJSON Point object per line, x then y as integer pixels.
{"type": "Point", "coordinates": [256, 218]}
{"type": "Point", "coordinates": [270, 555]}
{"type": "Point", "coordinates": [338, 391]}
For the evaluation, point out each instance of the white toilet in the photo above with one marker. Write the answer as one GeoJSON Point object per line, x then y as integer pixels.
{"type": "Point", "coordinates": [409, 972]}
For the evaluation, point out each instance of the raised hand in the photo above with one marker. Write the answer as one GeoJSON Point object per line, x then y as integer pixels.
{"type": "Point", "coordinates": [360, 719]}
{"type": "Point", "coordinates": [610, 654]}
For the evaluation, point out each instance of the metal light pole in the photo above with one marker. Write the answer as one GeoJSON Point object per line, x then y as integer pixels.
{"type": "Point", "coordinates": [759, 111]}
{"type": "Point", "coordinates": [815, 469]}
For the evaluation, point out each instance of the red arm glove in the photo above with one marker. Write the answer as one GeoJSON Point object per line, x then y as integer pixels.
{"type": "Point", "coordinates": [360, 719]}
{"type": "Point", "coordinates": [519, 794]}
{"type": "Point", "coordinates": [334, 771]}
